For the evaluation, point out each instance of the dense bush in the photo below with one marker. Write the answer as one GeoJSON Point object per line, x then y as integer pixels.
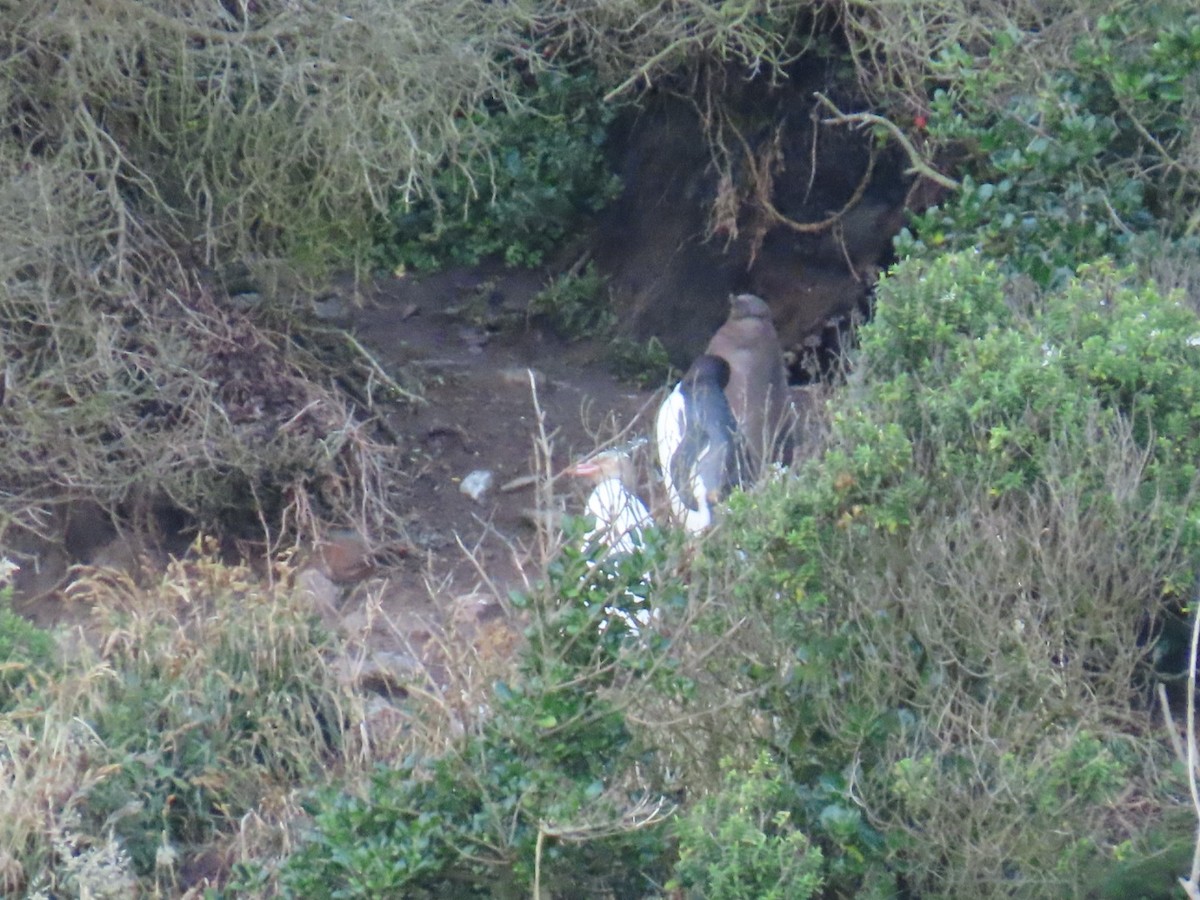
{"type": "Point", "coordinates": [1075, 142]}
{"type": "Point", "coordinates": [969, 580]}
{"type": "Point", "coordinates": [530, 174]}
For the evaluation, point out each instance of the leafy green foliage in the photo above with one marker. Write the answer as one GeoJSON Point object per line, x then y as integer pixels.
{"type": "Point", "coordinates": [576, 305]}
{"type": "Point", "coordinates": [983, 382]}
{"type": "Point", "coordinates": [740, 843]}
{"type": "Point", "coordinates": [533, 173]}
{"type": "Point", "coordinates": [26, 651]}
{"type": "Point", "coordinates": [1002, 513]}
{"type": "Point", "coordinates": [547, 784]}
{"type": "Point", "coordinates": [1076, 161]}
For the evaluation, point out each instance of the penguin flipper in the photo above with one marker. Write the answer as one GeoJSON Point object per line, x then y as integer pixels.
{"type": "Point", "coordinates": [684, 464]}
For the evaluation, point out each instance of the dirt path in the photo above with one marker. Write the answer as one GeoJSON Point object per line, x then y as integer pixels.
{"type": "Point", "coordinates": [480, 414]}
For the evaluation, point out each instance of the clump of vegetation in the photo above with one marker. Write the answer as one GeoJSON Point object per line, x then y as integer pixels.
{"type": "Point", "coordinates": [532, 173]}
{"type": "Point", "coordinates": [646, 365]}
{"type": "Point", "coordinates": [575, 305]}
{"type": "Point", "coordinates": [994, 533]}
{"type": "Point", "coordinates": [740, 843]}
{"type": "Point", "coordinates": [274, 127]}
{"type": "Point", "coordinates": [549, 791]}
{"type": "Point", "coordinates": [26, 652]}
{"type": "Point", "coordinates": [144, 143]}
{"type": "Point", "coordinates": [145, 397]}
{"type": "Point", "coordinates": [194, 712]}
{"type": "Point", "coordinates": [1091, 151]}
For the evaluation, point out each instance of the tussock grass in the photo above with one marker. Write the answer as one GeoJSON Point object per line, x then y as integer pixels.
{"type": "Point", "coordinates": [194, 711]}
{"type": "Point", "coordinates": [259, 124]}
{"type": "Point", "coordinates": [144, 139]}
{"type": "Point", "coordinates": [141, 390]}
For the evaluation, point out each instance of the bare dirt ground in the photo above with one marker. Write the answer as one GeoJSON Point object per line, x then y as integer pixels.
{"type": "Point", "coordinates": [487, 374]}
{"type": "Point", "coordinates": [481, 413]}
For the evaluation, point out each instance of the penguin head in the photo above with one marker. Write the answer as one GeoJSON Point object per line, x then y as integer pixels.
{"type": "Point", "coordinates": [708, 369]}
{"type": "Point", "coordinates": [748, 306]}
{"type": "Point", "coordinates": [614, 463]}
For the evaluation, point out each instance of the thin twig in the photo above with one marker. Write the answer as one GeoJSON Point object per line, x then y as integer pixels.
{"type": "Point", "coordinates": [762, 191]}
{"type": "Point", "coordinates": [917, 162]}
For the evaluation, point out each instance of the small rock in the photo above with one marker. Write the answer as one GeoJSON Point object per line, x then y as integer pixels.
{"type": "Point", "coordinates": [383, 672]}
{"type": "Point", "coordinates": [120, 555]}
{"type": "Point", "coordinates": [383, 723]}
{"type": "Point", "coordinates": [475, 338]}
{"type": "Point", "coordinates": [331, 308]}
{"type": "Point", "coordinates": [471, 609]}
{"type": "Point", "coordinates": [321, 593]}
{"type": "Point", "coordinates": [247, 301]}
{"type": "Point", "coordinates": [548, 519]}
{"type": "Point", "coordinates": [476, 484]}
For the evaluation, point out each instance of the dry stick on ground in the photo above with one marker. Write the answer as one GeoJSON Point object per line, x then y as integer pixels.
{"type": "Point", "coordinates": [543, 450]}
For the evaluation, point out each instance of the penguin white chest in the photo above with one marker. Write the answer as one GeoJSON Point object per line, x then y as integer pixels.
{"type": "Point", "coordinates": [621, 517]}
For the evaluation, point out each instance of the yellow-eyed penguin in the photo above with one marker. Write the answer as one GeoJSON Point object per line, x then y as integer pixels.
{"type": "Point", "coordinates": [620, 515]}
{"type": "Point", "coordinates": [758, 389]}
{"type": "Point", "coordinates": [698, 443]}
{"type": "Point", "coordinates": [621, 520]}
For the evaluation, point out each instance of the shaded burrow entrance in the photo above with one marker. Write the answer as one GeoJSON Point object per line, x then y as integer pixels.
{"type": "Point", "coordinates": [751, 192]}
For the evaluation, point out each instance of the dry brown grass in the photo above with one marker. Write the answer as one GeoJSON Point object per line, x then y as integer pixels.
{"type": "Point", "coordinates": [144, 139]}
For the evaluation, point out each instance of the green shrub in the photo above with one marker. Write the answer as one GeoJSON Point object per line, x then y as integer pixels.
{"type": "Point", "coordinates": [546, 790]}
{"type": "Point", "coordinates": [532, 174]}
{"type": "Point", "coordinates": [1070, 157]}
{"type": "Point", "coordinates": [740, 843]}
{"type": "Point", "coordinates": [983, 378]}
{"type": "Point", "coordinates": [966, 585]}
{"type": "Point", "coordinates": [26, 651]}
